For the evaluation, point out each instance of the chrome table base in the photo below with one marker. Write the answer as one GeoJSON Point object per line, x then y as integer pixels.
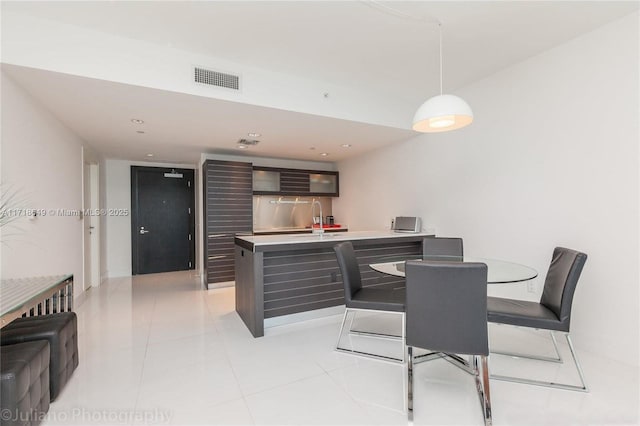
{"type": "Point", "coordinates": [482, 383]}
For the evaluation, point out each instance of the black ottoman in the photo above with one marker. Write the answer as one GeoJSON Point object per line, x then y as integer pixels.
{"type": "Point", "coordinates": [61, 331]}
{"type": "Point", "coordinates": [24, 392]}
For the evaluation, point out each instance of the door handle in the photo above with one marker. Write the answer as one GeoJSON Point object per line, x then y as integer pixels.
{"type": "Point", "coordinates": [143, 231]}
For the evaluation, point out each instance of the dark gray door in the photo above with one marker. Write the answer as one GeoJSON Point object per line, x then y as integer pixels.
{"type": "Point", "coordinates": [162, 220]}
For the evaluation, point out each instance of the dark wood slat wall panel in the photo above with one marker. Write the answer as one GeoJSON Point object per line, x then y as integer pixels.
{"type": "Point", "coordinates": [249, 296]}
{"type": "Point", "coordinates": [292, 181]}
{"type": "Point", "coordinates": [302, 280]}
{"type": "Point", "coordinates": [228, 210]}
{"type": "Point", "coordinates": [302, 291]}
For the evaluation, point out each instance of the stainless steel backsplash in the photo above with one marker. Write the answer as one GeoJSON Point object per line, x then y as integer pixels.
{"type": "Point", "coordinates": [268, 214]}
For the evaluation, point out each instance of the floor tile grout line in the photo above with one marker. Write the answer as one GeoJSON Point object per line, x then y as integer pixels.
{"type": "Point", "coordinates": [245, 395]}
{"type": "Point", "coordinates": [358, 402]}
{"type": "Point", "coordinates": [146, 351]}
{"type": "Point", "coordinates": [235, 376]}
{"type": "Point", "coordinates": [284, 384]}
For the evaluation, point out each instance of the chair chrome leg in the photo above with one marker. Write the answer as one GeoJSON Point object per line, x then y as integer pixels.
{"type": "Point", "coordinates": [555, 346]}
{"type": "Point", "coordinates": [344, 318]}
{"type": "Point", "coordinates": [373, 335]}
{"type": "Point", "coordinates": [582, 388]}
{"type": "Point", "coordinates": [575, 360]}
{"type": "Point", "coordinates": [353, 317]}
{"type": "Point", "coordinates": [404, 337]}
{"type": "Point", "coordinates": [557, 359]}
{"type": "Point", "coordinates": [410, 385]}
{"type": "Point", "coordinates": [378, 335]}
{"type": "Point", "coordinates": [488, 420]}
{"type": "Point", "coordinates": [476, 376]}
{"type": "Point", "coordinates": [482, 386]}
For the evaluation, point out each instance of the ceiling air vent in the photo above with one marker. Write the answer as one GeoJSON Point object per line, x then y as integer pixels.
{"type": "Point", "coordinates": [215, 78]}
{"type": "Point", "coordinates": [248, 142]}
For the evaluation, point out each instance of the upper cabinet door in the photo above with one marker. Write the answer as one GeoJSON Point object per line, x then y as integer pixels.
{"type": "Point", "coordinates": [324, 183]}
{"type": "Point", "coordinates": [266, 181]}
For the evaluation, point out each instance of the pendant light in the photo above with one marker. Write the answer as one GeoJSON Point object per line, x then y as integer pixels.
{"type": "Point", "coordinates": [443, 112]}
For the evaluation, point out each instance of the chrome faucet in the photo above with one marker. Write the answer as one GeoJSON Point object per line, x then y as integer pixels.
{"type": "Point", "coordinates": [313, 215]}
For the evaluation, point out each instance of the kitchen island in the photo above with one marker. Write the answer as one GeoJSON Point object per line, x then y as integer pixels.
{"type": "Point", "coordinates": [279, 275]}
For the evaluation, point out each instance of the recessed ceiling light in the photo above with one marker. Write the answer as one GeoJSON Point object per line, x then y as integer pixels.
{"type": "Point", "coordinates": [254, 135]}
{"type": "Point", "coordinates": [149, 155]}
{"type": "Point", "coordinates": [139, 131]}
{"type": "Point", "coordinates": [346, 145]}
{"type": "Point", "coordinates": [242, 147]}
{"type": "Point", "coordinates": [137, 121]}
{"type": "Point", "coordinates": [312, 148]}
{"type": "Point", "coordinates": [324, 154]}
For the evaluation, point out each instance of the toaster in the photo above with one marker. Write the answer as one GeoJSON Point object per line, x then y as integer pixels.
{"type": "Point", "coordinates": [407, 224]}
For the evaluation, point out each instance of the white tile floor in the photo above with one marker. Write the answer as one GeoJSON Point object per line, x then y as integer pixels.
{"type": "Point", "coordinates": [157, 349]}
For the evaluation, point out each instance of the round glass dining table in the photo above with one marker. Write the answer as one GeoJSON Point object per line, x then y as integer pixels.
{"type": "Point", "coordinates": [498, 271]}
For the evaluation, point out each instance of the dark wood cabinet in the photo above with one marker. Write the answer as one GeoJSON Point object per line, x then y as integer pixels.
{"type": "Point", "coordinates": [294, 182]}
{"type": "Point", "coordinates": [278, 181]}
{"type": "Point", "coordinates": [228, 211]}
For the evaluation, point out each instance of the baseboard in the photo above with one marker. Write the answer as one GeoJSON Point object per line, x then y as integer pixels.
{"type": "Point", "coordinates": [303, 316]}
{"type": "Point", "coordinates": [221, 285]}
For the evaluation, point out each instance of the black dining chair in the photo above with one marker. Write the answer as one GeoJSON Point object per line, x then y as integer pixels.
{"type": "Point", "coordinates": [359, 298]}
{"type": "Point", "coordinates": [552, 313]}
{"type": "Point", "coordinates": [447, 312]}
{"type": "Point", "coordinates": [438, 247]}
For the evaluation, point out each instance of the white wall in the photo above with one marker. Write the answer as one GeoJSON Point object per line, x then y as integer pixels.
{"type": "Point", "coordinates": [550, 160]}
{"type": "Point", "coordinates": [42, 160]}
{"type": "Point", "coordinates": [102, 190]}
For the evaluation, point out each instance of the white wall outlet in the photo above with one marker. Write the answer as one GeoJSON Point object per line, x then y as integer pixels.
{"type": "Point", "coordinates": [531, 287]}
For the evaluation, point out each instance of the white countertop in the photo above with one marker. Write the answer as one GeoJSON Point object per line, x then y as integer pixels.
{"type": "Point", "coordinates": [266, 240]}
{"type": "Point", "coordinates": [294, 230]}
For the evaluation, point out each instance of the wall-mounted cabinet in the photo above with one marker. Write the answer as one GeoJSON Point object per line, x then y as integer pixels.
{"type": "Point", "coordinates": [277, 181]}
{"type": "Point", "coordinates": [323, 183]}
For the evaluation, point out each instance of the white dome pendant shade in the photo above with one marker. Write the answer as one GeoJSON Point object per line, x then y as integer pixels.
{"type": "Point", "coordinates": [443, 112]}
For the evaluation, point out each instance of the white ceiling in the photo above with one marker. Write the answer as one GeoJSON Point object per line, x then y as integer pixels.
{"type": "Point", "coordinates": [350, 43]}
{"type": "Point", "coordinates": [178, 127]}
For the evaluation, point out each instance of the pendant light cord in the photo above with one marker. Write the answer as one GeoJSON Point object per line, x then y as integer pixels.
{"type": "Point", "coordinates": [440, 32]}
{"type": "Point", "coordinates": [399, 14]}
